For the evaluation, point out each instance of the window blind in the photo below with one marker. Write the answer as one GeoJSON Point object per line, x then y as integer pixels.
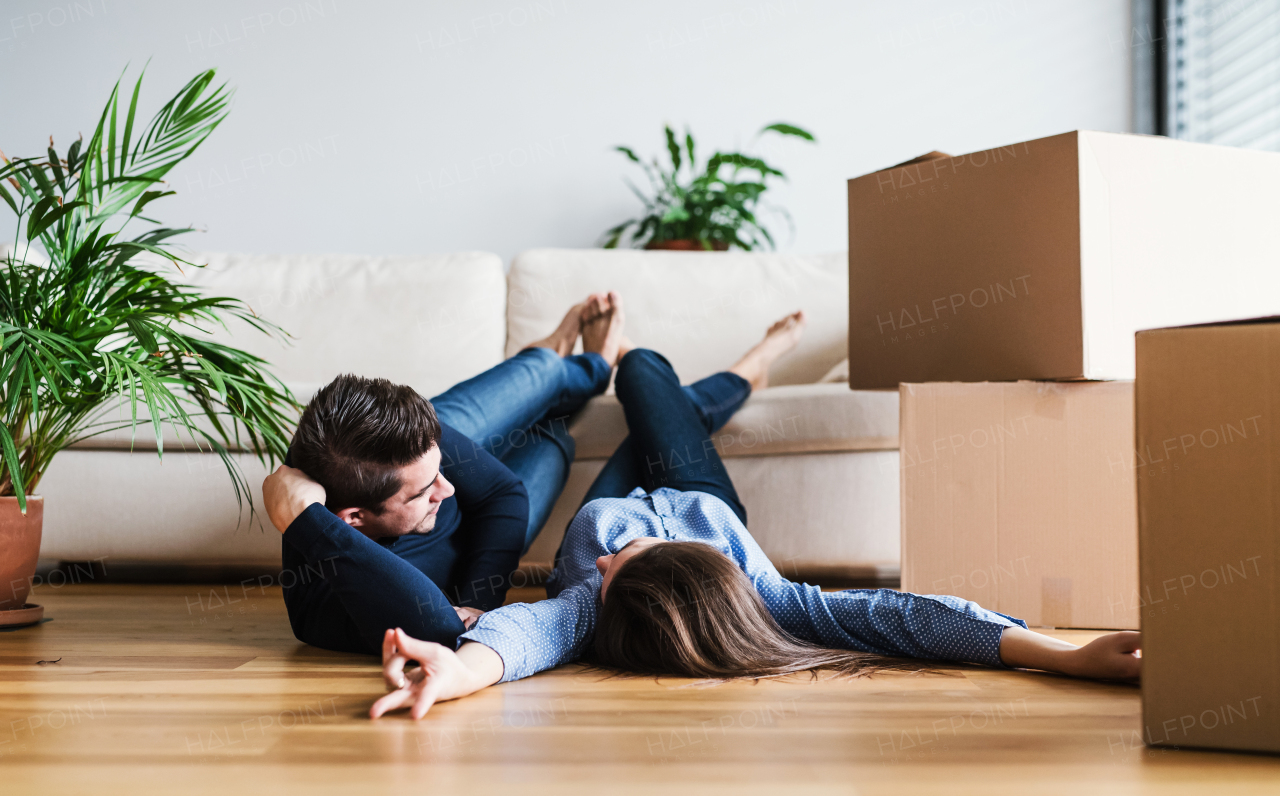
{"type": "Point", "coordinates": [1223, 72]}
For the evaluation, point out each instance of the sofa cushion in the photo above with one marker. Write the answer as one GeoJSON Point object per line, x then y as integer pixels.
{"type": "Point", "coordinates": [801, 418]}
{"type": "Point", "coordinates": [427, 321]}
{"type": "Point", "coordinates": [702, 310]}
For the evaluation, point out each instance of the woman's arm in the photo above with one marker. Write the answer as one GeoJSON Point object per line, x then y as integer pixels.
{"type": "Point", "coordinates": [442, 674]}
{"type": "Point", "coordinates": [534, 637]}
{"type": "Point", "coordinates": [1109, 657]}
{"type": "Point", "coordinates": [937, 627]}
{"type": "Point", "coordinates": [887, 622]}
{"type": "Point", "coordinates": [505, 644]}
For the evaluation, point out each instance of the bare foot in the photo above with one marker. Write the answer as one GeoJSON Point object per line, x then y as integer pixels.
{"type": "Point", "coordinates": [566, 334]}
{"type": "Point", "coordinates": [624, 346]}
{"type": "Point", "coordinates": [602, 328]}
{"type": "Point", "coordinates": [781, 338]}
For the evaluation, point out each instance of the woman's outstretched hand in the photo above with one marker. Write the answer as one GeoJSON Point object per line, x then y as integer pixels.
{"type": "Point", "coordinates": [442, 674]}
{"type": "Point", "coordinates": [1109, 657]}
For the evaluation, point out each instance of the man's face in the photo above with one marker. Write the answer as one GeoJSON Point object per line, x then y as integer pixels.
{"type": "Point", "coordinates": [411, 510]}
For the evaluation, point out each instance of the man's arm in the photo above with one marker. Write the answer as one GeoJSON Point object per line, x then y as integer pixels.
{"type": "Point", "coordinates": [369, 588]}
{"type": "Point", "coordinates": [495, 515]}
{"type": "Point", "coordinates": [316, 615]}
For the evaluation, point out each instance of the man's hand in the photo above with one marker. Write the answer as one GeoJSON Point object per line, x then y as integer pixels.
{"type": "Point", "coordinates": [468, 615]}
{"type": "Point", "coordinates": [442, 674]}
{"type": "Point", "coordinates": [287, 492]}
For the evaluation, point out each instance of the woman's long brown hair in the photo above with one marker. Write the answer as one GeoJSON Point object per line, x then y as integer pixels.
{"type": "Point", "coordinates": [683, 609]}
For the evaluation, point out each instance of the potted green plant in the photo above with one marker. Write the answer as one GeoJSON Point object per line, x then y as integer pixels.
{"type": "Point", "coordinates": [711, 207]}
{"type": "Point", "coordinates": [94, 324]}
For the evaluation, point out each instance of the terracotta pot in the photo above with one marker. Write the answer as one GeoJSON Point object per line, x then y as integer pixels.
{"type": "Point", "coordinates": [19, 549]}
{"type": "Point", "coordinates": [685, 245]}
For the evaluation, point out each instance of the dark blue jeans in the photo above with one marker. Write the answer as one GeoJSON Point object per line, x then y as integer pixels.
{"type": "Point", "coordinates": [519, 411]}
{"type": "Point", "coordinates": [670, 431]}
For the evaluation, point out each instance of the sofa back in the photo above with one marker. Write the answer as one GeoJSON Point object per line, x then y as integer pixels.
{"type": "Point", "coordinates": [702, 310]}
{"type": "Point", "coordinates": [428, 321]}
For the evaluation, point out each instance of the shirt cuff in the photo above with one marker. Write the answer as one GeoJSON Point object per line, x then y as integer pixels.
{"type": "Point", "coordinates": [988, 636]}
{"type": "Point", "coordinates": [497, 641]}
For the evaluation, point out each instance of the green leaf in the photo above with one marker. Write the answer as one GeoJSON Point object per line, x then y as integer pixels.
{"type": "Point", "coordinates": [144, 335]}
{"type": "Point", "coordinates": [113, 103]}
{"type": "Point", "coordinates": [8, 199]}
{"type": "Point", "coordinates": [627, 151]}
{"type": "Point", "coordinates": [73, 153]}
{"type": "Point", "coordinates": [57, 169]}
{"type": "Point", "coordinates": [37, 214]}
{"type": "Point", "coordinates": [672, 148]}
{"type": "Point", "coordinates": [688, 145]}
{"type": "Point", "coordinates": [35, 230]}
{"type": "Point", "coordinates": [146, 198]}
{"type": "Point", "coordinates": [789, 129]}
{"type": "Point", "coordinates": [739, 161]}
{"type": "Point", "coordinates": [675, 214]}
{"type": "Point", "coordinates": [128, 124]}
{"type": "Point", "coordinates": [14, 465]}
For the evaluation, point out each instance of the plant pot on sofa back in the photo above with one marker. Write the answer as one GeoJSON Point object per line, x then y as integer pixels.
{"type": "Point", "coordinates": [19, 549]}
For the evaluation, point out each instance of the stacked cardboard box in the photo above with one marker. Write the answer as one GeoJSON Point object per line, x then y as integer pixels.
{"type": "Point", "coordinates": [1020, 496]}
{"type": "Point", "coordinates": [1040, 261]}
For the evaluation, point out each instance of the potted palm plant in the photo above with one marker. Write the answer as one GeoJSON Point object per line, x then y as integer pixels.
{"type": "Point", "coordinates": [709, 207]}
{"type": "Point", "coordinates": [93, 328]}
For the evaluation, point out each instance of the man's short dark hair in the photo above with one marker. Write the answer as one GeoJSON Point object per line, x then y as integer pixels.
{"type": "Point", "coordinates": [355, 435]}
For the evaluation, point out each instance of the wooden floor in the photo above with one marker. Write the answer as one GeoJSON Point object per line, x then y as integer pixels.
{"type": "Point", "coordinates": [187, 689]}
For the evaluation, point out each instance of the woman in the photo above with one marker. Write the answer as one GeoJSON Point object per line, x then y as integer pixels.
{"type": "Point", "coordinates": [658, 575]}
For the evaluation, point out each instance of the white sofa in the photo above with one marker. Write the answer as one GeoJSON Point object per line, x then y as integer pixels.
{"type": "Point", "coordinates": [816, 464]}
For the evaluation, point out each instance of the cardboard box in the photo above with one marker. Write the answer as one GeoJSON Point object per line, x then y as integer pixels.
{"type": "Point", "coordinates": [1020, 497]}
{"type": "Point", "coordinates": [1209, 529]}
{"type": "Point", "coordinates": [1040, 260]}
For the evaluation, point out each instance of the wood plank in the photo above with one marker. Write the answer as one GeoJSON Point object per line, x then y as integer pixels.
{"type": "Point", "coordinates": [159, 692]}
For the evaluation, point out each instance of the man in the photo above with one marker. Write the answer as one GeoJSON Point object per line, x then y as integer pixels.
{"type": "Point", "coordinates": [386, 493]}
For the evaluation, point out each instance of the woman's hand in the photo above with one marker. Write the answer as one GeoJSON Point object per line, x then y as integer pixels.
{"type": "Point", "coordinates": [442, 674]}
{"type": "Point", "coordinates": [1109, 657]}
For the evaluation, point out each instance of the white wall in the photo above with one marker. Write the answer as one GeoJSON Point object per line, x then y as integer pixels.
{"type": "Point", "coordinates": [390, 126]}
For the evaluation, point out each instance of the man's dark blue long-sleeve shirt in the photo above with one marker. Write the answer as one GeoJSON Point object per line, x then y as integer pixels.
{"type": "Point", "coordinates": [336, 579]}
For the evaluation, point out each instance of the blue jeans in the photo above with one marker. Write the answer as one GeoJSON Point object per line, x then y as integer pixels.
{"type": "Point", "coordinates": [519, 411]}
